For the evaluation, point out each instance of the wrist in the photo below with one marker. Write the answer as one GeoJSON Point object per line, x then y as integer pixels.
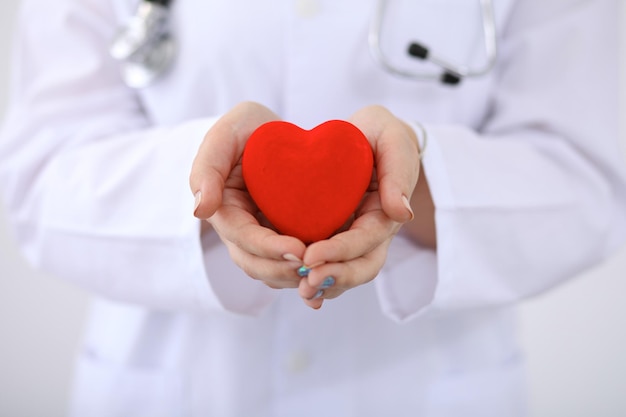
{"type": "Point", "coordinates": [422, 229]}
{"type": "Point", "coordinates": [422, 136]}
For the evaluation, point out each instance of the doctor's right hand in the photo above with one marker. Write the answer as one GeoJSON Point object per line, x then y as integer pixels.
{"type": "Point", "coordinates": [222, 199]}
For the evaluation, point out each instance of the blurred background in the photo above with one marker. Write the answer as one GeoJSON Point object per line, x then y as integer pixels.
{"type": "Point", "coordinates": [574, 337]}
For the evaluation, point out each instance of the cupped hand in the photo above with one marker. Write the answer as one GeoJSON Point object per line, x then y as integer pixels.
{"type": "Point", "coordinates": [222, 199]}
{"type": "Point", "coordinates": [355, 256]}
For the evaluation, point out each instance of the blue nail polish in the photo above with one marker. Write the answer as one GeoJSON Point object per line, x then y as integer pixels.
{"type": "Point", "coordinates": [317, 295]}
{"type": "Point", "coordinates": [328, 282]}
{"type": "Point", "coordinates": [303, 271]}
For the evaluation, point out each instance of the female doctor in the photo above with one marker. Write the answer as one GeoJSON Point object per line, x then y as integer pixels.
{"type": "Point", "coordinates": [520, 187]}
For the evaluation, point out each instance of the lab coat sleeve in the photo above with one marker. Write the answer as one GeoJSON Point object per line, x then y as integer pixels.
{"type": "Point", "coordinates": [538, 195]}
{"type": "Point", "coordinates": [97, 195]}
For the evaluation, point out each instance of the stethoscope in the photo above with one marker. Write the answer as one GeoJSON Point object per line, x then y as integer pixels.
{"type": "Point", "coordinates": [146, 48]}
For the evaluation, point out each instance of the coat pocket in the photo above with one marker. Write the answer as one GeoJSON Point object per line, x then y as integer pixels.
{"type": "Point", "coordinates": [103, 389]}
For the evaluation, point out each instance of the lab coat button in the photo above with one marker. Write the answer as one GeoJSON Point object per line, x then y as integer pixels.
{"type": "Point", "coordinates": [298, 362]}
{"type": "Point", "coordinates": [307, 8]}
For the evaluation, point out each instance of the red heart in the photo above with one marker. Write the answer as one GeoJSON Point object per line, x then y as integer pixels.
{"type": "Point", "coordinates": [307, 182]}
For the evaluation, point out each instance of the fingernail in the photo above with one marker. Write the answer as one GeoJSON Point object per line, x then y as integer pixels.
{"type": "Point", "coordinates": [291, 257]}
{"type": "Point", "coordinates": [406, 203]}
{"type": "Point", "coordinates": [317, 295]}
{"type": "Point", "coordinates": [303, 271]}
{"type": "Point", "coordinates": [317, 264]}
{"type": "Point", "coordinates": [328, 282]}
{"type": "Point", "coordinates": [198, 199]}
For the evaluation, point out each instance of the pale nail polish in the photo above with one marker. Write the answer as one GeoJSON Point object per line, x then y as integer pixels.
{"type": "Point", "coordinates": [291, 257]}
{"type": "Point", "coordinates": [406, 203]}
{"type": "Point", "coordinates": [198, 200]}
{"type": "Point", "coordinates": [315, 265]}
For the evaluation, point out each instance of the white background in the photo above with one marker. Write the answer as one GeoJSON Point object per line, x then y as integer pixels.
{"type": "Point", "coordinates": [574, 337]}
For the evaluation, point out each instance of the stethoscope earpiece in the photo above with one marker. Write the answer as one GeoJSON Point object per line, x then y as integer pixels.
{"type": "Point", "coordinates": [417, 50]}
{"type": "Point", "coordinates": [450, 78]}
{"type": "Point", "coordinates": [452, 74]}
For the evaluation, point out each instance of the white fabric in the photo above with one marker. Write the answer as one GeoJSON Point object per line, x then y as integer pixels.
{"type": "Point", "coordinates": [523, 166]}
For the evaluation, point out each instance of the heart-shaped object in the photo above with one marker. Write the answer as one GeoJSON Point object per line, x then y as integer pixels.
{"type": "Point", "coordinates": [307, 183]}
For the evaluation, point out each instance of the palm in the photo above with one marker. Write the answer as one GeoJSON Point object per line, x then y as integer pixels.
{"type": "Point", "coordinates": [237, 200]}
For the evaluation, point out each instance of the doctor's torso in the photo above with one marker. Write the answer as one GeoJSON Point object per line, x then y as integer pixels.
{"type": "Point", "coordinates": [524, 175]}
{"type": "Point", "coordinates": [309, 60]}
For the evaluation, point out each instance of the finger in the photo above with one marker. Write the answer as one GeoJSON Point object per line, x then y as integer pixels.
{"type": "Point", "coordinates": [274, 273]}
{"type": "Point", "coordinates": [336, 277]}
{"type": "Point", "coordinates": [312, 301]}
{"type": "Point", "coordinates": [220, 151]}
{"type": "Point", "coordinates": [368, 231]}
{"type": "Point", "coordinates": [398, 171]}
{"type": "Point", "coordinates": [238, 225]}
{"type": "Point", "coordinates": [396, 152]}
{"type": "Point", "coordinates": [314, 304]}
{"type": "Point", "coordinates": [328, 288]}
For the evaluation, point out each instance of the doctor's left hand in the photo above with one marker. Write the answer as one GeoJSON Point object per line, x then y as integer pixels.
{"type": "Point", "coordinates": [355, 256]}
{"type": "Point", "coordinates": [222, 200]}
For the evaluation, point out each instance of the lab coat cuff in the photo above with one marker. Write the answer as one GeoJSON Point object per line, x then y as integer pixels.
{"type": "Point", "coordinates": [206, 298]}
{"type": "Point", "coordinates": [230, 287]}
{"type": "Point", "coordinates": [409, 284]}
{"type": "Point", "coordinates": [435, 169]}
{"type": "Point", "coordinates": [221, 285]}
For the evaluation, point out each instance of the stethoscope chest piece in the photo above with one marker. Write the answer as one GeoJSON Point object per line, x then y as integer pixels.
{"type": "Point", "coordinates": [153, 65]}
{"type": "Point", "coordinates": [144, 47]}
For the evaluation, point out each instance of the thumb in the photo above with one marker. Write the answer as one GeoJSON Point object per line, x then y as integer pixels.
{"type": "Point", "coordinates": [396, 154]}
{"type": "Point", "coordinates": [397, 167]}
{"type": "Point", "coordinates": [220, 151]}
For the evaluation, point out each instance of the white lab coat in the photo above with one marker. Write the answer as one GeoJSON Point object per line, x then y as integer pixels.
{"type": "Point", "coordinates": [523, 165]}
